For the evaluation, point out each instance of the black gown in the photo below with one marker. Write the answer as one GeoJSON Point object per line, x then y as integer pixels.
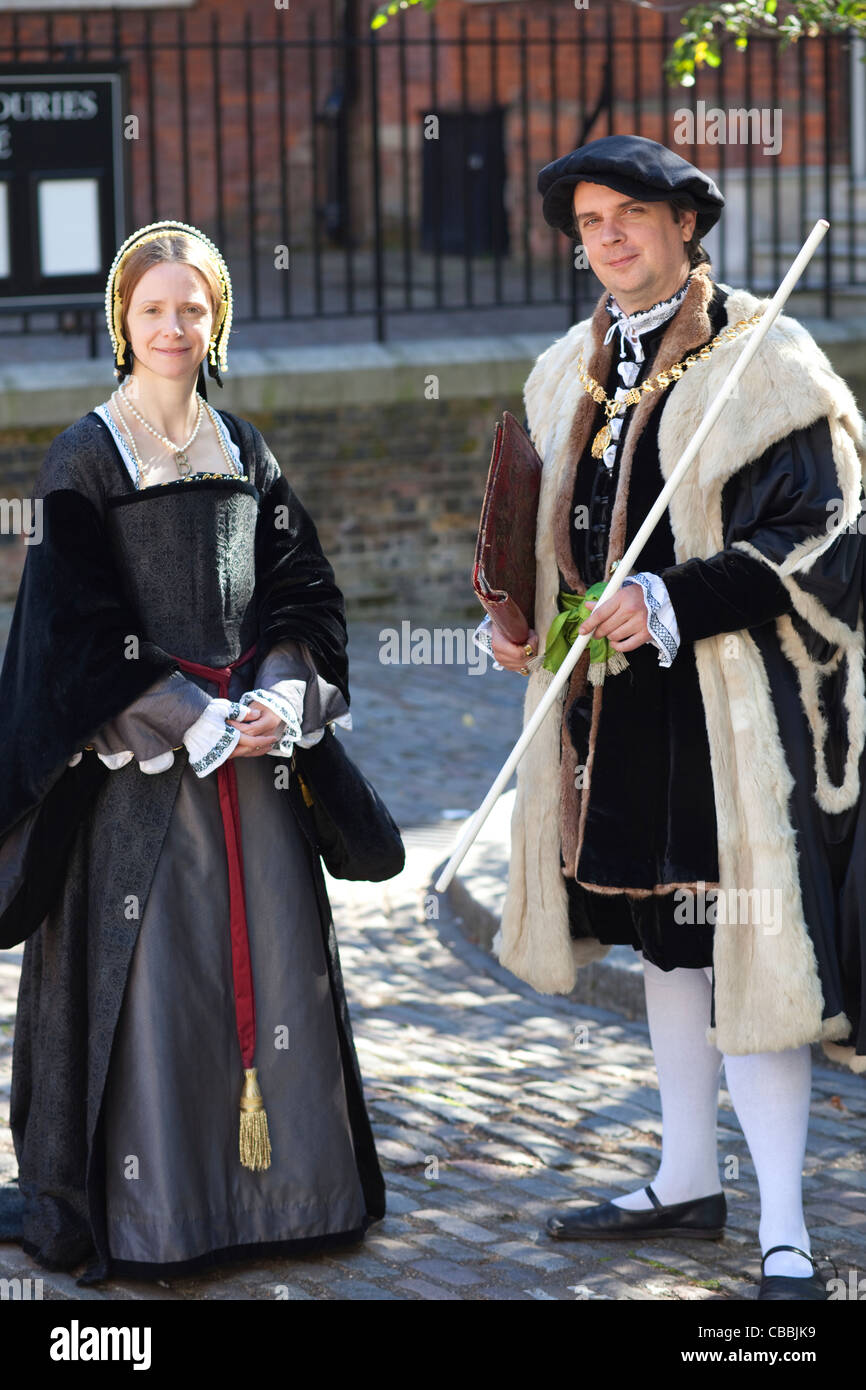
{"type": "Point", "coordinates": [126, 1064]}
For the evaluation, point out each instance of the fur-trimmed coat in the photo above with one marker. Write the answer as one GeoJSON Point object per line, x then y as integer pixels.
{"type": "Point", "coordinates": [767, 989]}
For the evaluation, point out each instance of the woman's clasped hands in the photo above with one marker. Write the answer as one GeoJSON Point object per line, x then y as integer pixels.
{"type": "Point", "coordinates": [258, 731]}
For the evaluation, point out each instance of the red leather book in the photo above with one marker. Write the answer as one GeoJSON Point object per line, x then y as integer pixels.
{"type": "Point", "coordinates": [504, 573]}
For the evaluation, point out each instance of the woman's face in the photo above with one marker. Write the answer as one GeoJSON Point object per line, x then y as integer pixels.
{"type": "Point", "coordinates": [169, 320]}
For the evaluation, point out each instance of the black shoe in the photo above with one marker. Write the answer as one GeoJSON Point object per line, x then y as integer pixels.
{"type": "Point", "coordinates": [703, 1218]}
{"type": "Point", "coordinates": [792, 1286]}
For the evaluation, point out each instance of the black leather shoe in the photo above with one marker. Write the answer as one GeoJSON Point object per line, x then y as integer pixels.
{"type": "Point", "coordinates": [703, 1218]}
{"type": "Point", "coordinates": [792, 1286]}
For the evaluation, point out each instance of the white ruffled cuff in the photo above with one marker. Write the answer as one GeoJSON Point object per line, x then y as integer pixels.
{"type": "Point", "coordinates": [161, 763]}
{"type": "Point", "coordinates": [286, 699]}
{"type": "Point", "coordinates": [344, 721]}
{"type": "Point", "coordinates": [661, 620]}
{"type": "Point", "coordinates": [210, 739]}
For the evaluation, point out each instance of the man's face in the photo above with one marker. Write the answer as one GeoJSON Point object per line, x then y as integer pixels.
{"type": "Point", "coordinates": [636, 249]}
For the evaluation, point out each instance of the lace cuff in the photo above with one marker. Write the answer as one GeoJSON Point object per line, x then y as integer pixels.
{"type": "Point", "coordinates": [286, 700]}
{"type": "Point", "coordinates": [482, 637]}
{"type": "Point", "coordinates": [147, 728]}
{"type": "Point", "coordinates": [291, 694]}
{"type": "Point", "coordinates": [210, 740]}
{"type": "Point", "coordinates": [290, 683]}
{"type": "Point", "coordinates": [661, 619]}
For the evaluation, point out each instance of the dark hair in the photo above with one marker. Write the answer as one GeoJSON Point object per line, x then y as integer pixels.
{"type": "Point", "coordinates": [694, 250]}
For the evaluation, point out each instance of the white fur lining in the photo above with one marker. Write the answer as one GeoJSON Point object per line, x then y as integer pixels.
{"type": "Point", "coordinates": [829, 796]}
{"type": "Point", "coordinates": [768, 994]}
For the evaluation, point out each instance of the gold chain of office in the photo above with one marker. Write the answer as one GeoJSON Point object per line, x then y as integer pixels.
{"type": "Point", "coordinates": [654, 383]}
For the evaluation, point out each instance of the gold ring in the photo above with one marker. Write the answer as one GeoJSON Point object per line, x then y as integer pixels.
{"type": "Point", "coordinates": [527, 650]}
{"type": "Point", "coordinates": [524, 671]}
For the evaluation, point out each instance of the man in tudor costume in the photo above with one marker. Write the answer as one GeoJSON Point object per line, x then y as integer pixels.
{"type": "Point", "coordinates": [703, 804]}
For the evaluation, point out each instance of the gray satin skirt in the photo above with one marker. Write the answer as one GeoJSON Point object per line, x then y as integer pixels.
{"type": "Point", "coordinates": [175, 1186]}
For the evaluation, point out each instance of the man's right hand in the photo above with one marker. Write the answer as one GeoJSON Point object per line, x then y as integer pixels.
{"type": "Point", "coordinates": [509, 654]}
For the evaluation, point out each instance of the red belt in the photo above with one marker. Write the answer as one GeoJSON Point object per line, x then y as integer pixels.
{"type": "Point", "coordinates": [245, 1003]}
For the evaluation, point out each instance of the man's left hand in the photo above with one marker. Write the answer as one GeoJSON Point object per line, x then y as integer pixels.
{"type": "Point", "coordinates": [622, 619]}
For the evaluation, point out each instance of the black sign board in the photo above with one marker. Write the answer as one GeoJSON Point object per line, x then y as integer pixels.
{"type": "Point", "coordinates": [62, 211]}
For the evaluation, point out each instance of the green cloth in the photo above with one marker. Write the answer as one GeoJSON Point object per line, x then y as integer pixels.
{"type": "Point", "coordinates": [565, 630]}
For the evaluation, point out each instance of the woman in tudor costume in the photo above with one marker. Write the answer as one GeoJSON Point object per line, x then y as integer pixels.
{"type": "Point", "coordinates": [723, 761]}
{"type": "Point", "coordinates": [185, 1084]}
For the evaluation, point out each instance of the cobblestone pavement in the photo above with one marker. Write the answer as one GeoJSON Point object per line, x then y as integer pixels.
{"type": "Point", "coordinates": [493, 1105]}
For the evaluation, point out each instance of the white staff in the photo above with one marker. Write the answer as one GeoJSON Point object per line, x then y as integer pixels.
{"type": "Point", "coordinates": [473, 826]}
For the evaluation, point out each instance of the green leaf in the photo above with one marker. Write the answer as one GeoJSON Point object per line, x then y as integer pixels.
{"type": "Point", "coordinates": [771, 6]}
{"type": "Point", "coordinates": [384, 12]}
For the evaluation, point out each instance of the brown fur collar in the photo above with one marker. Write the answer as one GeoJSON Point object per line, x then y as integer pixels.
{"type": "Point", "coordinates": [690, 328]}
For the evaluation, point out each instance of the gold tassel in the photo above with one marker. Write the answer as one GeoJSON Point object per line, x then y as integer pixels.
{"type": "Point", "coordinates": [255, 1144]}
{"type": "Point", "coordinates": [616, 662]}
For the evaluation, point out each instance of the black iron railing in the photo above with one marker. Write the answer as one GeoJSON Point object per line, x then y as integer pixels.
{"type": "Point", "coordinates": [314, 160]}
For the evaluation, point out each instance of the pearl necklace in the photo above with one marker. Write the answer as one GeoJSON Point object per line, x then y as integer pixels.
{"type": "Point", "coordinates": [144, 469]}
{"type": "Point", "coordinates": [181, 456]}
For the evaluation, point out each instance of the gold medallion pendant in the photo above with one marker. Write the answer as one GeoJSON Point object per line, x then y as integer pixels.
{"type": "Point", "coordinates": [601, 441]}
{"type": "Point", "coordinates": [659, 382]}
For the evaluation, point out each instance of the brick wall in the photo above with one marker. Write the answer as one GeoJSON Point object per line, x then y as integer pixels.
{"type": "Point", "coordinates": [217, 192]}
{"type": "Point", "coordinates": [396, 505]}
{"type": "Point", "coordinates": [393, 481]}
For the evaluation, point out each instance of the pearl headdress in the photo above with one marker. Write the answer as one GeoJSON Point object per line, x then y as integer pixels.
{"type": "Point", "coordinates": [114, 308]}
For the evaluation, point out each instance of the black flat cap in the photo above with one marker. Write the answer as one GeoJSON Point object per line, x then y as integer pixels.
{"type": "Point", "coordinates": [633, 165]}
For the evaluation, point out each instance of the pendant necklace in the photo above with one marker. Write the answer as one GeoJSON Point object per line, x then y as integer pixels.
{"type": "Point", "coordinates": [144, 469]}
{"type": "Point", "coordinates": [181, 457]}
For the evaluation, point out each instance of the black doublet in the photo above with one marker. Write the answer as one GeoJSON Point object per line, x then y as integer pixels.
{"type": "Point", "coordinates": [634, 751]}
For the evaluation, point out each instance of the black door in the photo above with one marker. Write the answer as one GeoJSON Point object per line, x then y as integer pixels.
{"type": "Point", "coordinates": [463, 188]}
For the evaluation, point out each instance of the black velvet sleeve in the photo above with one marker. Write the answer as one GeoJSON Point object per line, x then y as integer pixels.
{"type": "Point", "coordinates": [781, 500]}
{"type": "Point", "coordinates": [290, 661]}
{"type": "Point", "coordinates": [67, 667]}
